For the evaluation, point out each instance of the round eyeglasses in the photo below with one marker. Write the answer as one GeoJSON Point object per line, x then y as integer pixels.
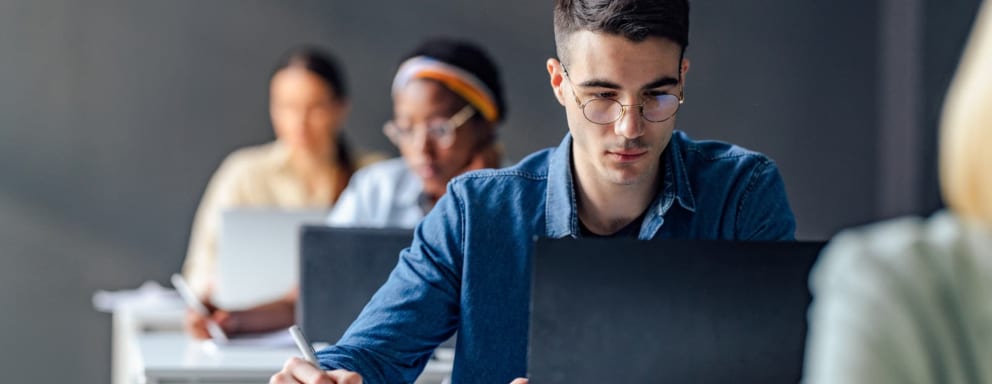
{"type": "Point", "coordinates": [442, 132]}
{"type": "Point", "coordinates": [654, 108]}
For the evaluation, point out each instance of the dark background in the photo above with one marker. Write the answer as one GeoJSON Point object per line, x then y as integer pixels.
{"type": "Point", "coordinates": [114, 114]}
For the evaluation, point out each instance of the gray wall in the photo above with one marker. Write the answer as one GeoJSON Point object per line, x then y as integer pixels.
{"type": "Point", "coordinates": [113, 115]}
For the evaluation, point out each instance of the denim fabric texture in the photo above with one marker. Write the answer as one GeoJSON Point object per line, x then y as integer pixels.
{"type": "Point", "coordinates": [469, 266]}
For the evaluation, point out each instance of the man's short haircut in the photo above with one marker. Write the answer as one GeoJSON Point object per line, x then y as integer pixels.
{"type": "Point", "coordinates": [635, 20]}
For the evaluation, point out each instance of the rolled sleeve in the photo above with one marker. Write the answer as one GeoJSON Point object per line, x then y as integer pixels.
{"type": "Point", "coordinates": [414, 311]}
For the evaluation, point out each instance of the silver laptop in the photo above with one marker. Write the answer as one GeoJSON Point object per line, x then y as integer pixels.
{"type": "Point", "coordinates": [258, 255]}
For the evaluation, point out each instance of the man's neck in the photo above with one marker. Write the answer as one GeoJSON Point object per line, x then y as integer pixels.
{"type": "Point", "coordinates": [606, 208]}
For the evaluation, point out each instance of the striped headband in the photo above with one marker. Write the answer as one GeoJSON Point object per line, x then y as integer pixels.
{"type": "Point", "coordinates": [458, 80]}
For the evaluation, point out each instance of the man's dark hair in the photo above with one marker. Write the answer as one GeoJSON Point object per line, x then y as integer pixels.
{"type": "Point", "coordinates": [635, 20]}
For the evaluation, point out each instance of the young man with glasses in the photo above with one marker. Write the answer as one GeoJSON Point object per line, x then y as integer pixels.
{"type": "Point", "coordinates": [447, 102]}
{"type": "Point", "coordinates": [621, 171]}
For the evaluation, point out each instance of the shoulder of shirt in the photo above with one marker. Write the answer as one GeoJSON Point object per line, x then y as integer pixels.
{"type": "Point", "coordinates": [365, 159]}
{"type": "Point", "coordinates": [912, 245]}
{"type": "Point", "coordinates": [250, 160]}
{"type": "Point", "coordinates": [534, 167]}
{"type": "Point", "coordinates": [716, 151]}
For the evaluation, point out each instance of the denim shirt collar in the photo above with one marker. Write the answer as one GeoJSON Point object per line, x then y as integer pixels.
{"type": "Point", "coordinates": [562, 211]}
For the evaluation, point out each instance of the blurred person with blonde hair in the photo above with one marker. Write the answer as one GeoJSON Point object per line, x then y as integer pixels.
{"type": "Point", "coordinates": [910, 300]}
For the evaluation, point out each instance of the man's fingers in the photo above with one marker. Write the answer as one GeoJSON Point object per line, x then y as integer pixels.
{"type": "Point", "coordinates": [297, 370]}
{"type": "Point", "coordinates": [519, 380]}
{"type": "Point", "coordinates": [341, 376]}
{"type": "Point", "coordinates": [283, 378]}
{"type": "Point", "coordinates": [305, 372]}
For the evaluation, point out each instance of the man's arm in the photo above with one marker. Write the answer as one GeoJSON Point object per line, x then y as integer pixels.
{"type": "Point", "coordinates": [763, 212]}
{"type": "Point", "coordinates": [414, 311]}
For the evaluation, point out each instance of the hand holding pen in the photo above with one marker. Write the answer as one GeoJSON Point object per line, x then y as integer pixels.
{"type": "Point", "coordinates": [307, 370]}
{"type": "Point", "coordinates": [198, 308]}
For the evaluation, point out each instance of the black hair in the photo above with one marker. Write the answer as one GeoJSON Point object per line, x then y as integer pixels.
{"type": "Point", "coordinates": [320, 63]}
{"type": "Point", "coordinates": [325, 66]}
{"type": "Point", "coordinates": [635, 20]}
{"type": "Point", "coordinates": [470, 58]}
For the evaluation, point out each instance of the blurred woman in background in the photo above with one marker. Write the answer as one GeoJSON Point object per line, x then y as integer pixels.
{"type": "Point", "coordinates": [306, 167]}
{"type": "Point", "coordinates": [447, 102]}
{"type": "Point", "coordinates": [910, 300]}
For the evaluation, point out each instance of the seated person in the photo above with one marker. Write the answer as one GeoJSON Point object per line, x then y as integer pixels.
{"type": "Point", "coordinates": [447, 100]}
{"type": "Point", "coordinates": [307, 166]}
{"type": "Point", "coordinates": [622, 170]}
{"type": "Point", "coordinates": [910, 300]}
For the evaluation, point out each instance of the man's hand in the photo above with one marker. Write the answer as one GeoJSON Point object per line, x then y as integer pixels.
{"type": "Point", "coordinates": [519, 380]}
{"type": "Point", "coordinates": [299, 371]}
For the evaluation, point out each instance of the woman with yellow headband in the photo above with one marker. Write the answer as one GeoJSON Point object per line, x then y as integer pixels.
{"type": "Point", "coordinates": [447, 100]}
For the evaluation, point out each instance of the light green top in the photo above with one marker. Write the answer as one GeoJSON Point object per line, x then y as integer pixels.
{"type": "Point", "coordinates": [904, 301]}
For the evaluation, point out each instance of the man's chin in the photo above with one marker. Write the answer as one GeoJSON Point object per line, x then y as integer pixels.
{"type": "Point", "coordinates": [625, 175]}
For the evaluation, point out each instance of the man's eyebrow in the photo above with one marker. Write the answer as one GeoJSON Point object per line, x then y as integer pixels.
{"type": "Point", "coordinates": [600, 83]}
{"type": "Point", "coordinates": [661, 82]}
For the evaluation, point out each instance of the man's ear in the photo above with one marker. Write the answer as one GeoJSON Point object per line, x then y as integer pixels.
{"type": "Point", "coordinates": [684, 69]}
{"type": "Point", "coordinates": [557, 77]}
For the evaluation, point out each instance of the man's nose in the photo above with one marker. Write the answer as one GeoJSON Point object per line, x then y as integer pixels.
{"type": "Point", "coordinates": [630, 125]}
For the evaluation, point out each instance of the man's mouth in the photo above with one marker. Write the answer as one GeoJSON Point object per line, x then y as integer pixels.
{"type": "Point", "coordinates": [627, 155]}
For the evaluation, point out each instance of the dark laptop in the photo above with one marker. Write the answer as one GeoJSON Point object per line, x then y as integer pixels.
{"type": "Point", "coordinates": [341, 268]}
{"type": "Point", "coordinates": [628, 311]}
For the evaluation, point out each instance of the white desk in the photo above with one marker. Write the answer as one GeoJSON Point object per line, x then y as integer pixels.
{"type": "Point", "coordinates": [130, 321]}
{"type": "Point", "coordinates": [151, 348]}
{"type": "Point", "coordinates": [173, 357]}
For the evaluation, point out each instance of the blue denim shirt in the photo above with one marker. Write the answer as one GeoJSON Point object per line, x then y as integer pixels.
{"type": "Point", "coordinates": [469, 267]}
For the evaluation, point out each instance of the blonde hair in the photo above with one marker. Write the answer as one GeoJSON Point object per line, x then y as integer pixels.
{"type": "Point", "coordinates": [966, 127]}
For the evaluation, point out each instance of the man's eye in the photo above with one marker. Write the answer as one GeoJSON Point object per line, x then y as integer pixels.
{"type": "Point", "coordinates": [605, 95]}
{"type": "Point", "coordinates": [655, 93]}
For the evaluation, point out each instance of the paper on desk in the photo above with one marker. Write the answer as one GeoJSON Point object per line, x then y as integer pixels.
{"type": "Point", "coordinates": [149, 294]}
{"type": "Point", "coordinates": [280, 338]}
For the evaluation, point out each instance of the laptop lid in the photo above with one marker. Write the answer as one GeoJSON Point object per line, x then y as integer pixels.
{"type": "Point", "coordinates": [257, 258]}
{"type": "Point", "coordinates": [341, 269]}
{"type": "Point", "coordinates": [628, 311]}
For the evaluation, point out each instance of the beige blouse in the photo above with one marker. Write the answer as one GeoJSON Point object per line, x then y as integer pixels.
{"type": "Point", "coordinates": [258, 176]}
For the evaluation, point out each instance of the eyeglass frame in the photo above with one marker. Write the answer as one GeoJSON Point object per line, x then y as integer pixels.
{"type": "Point", "coordinates": [623, 107]}
{"type": "Point", "coordinates": [456, 121]}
